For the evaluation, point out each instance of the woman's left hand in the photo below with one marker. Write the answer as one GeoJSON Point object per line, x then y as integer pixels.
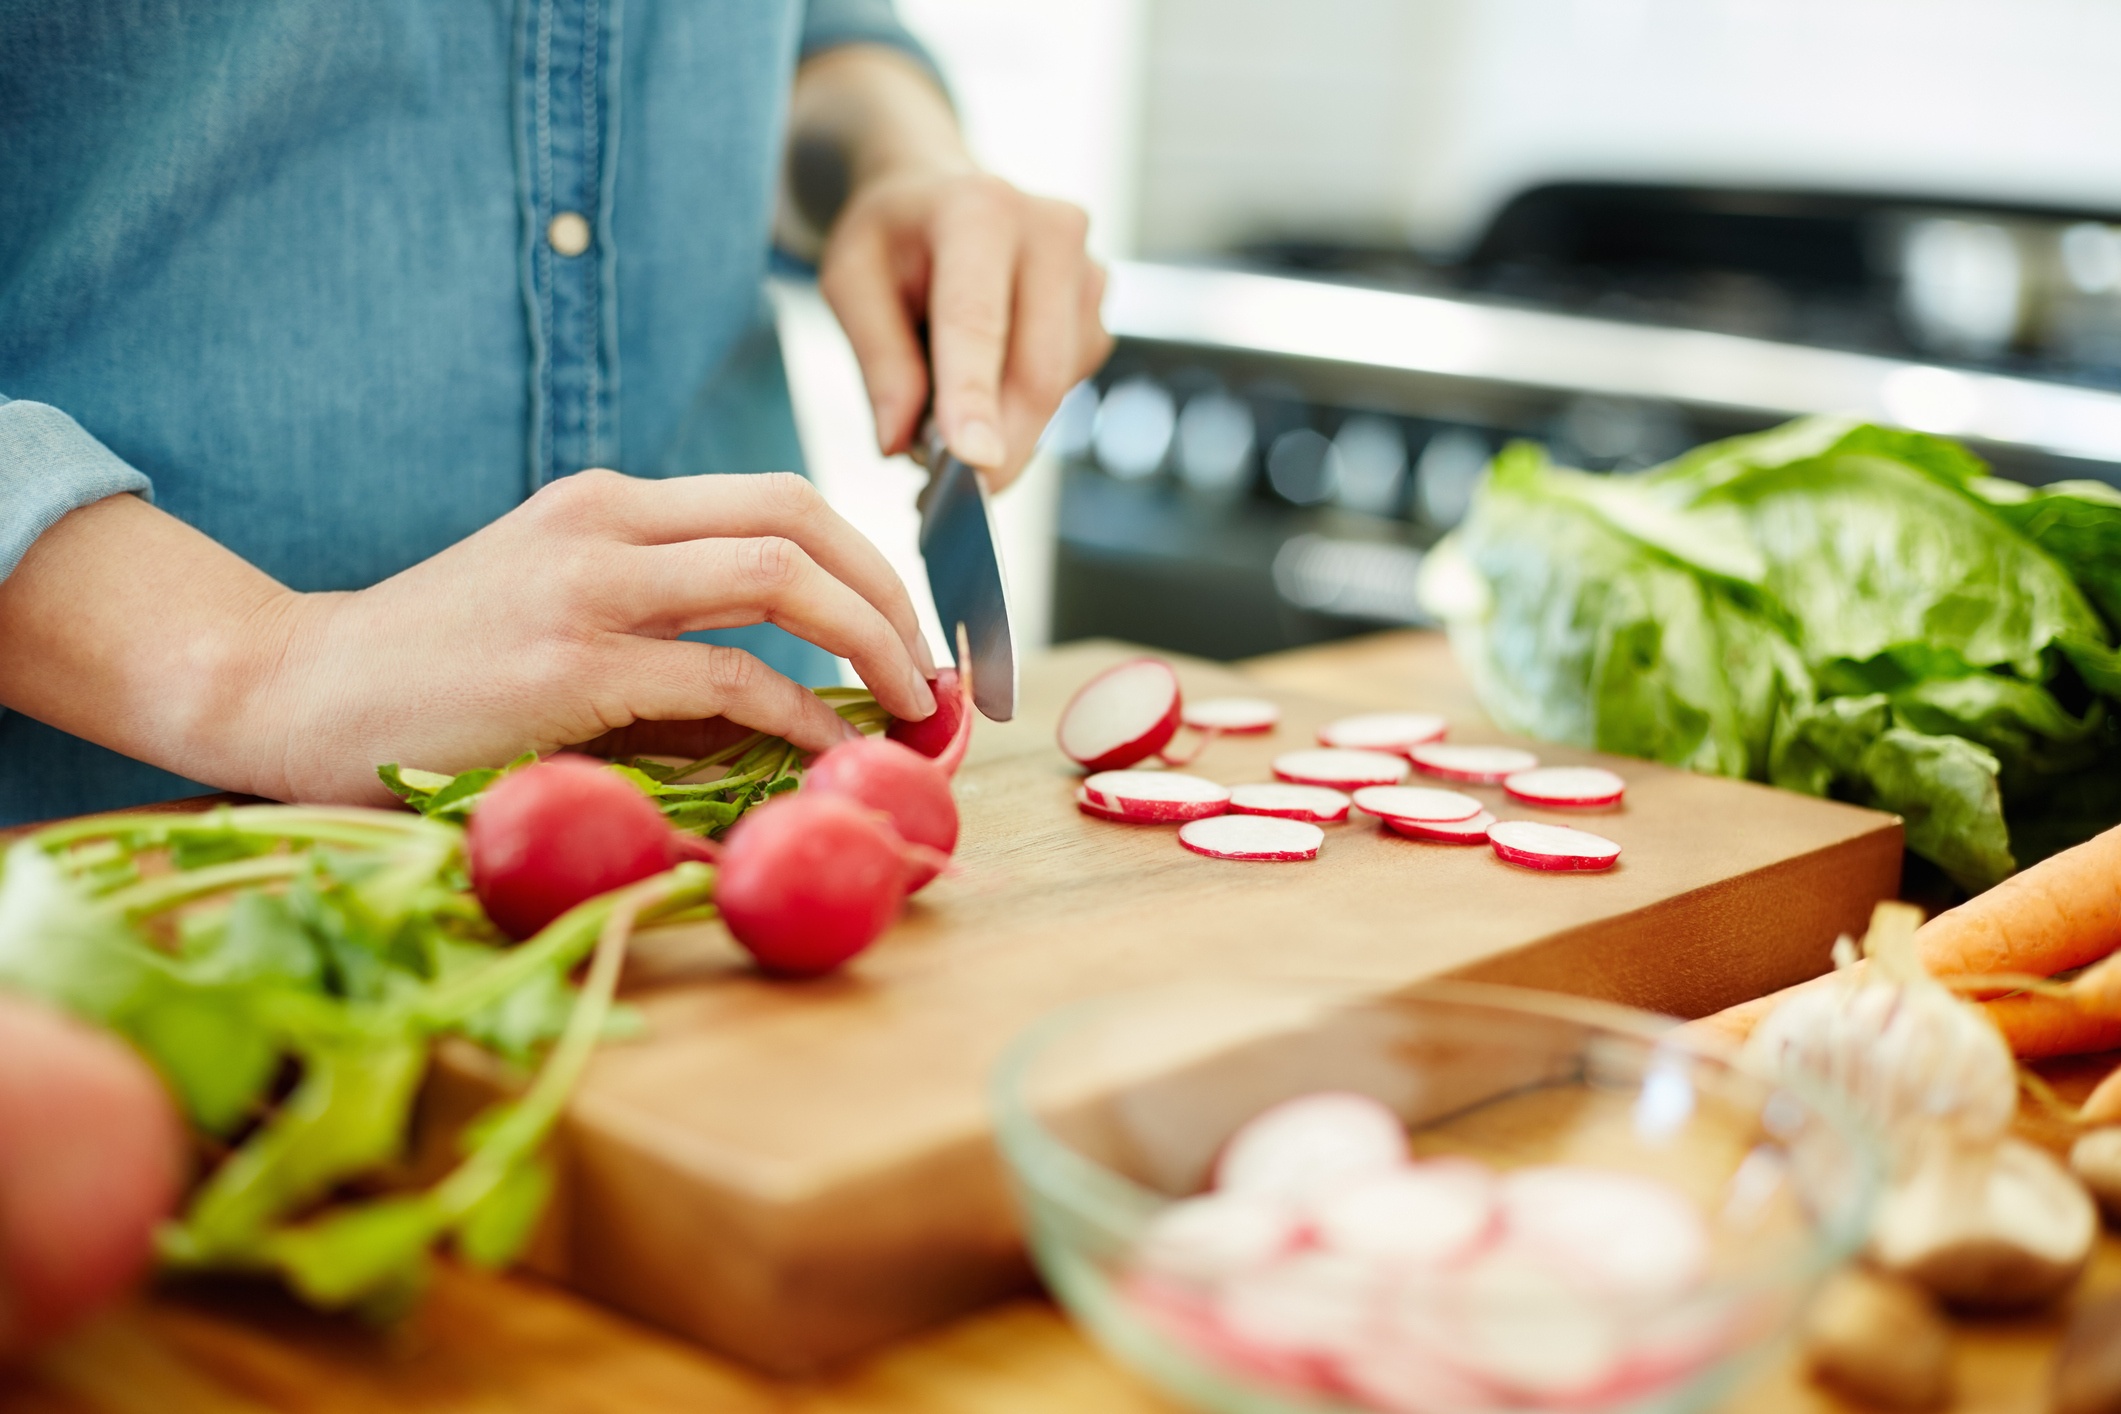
{"type": "Point", "coordinates": [1005, 288]}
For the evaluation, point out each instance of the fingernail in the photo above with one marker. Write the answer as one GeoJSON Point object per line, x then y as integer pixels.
{"type": "Point", "coordinates": [978, 443]}
{"type": "Point", "coordinates": [923, 655]}
{"type": "Point", "coordinates": [926, 694]}
{"type": "Point", "coordinates": [849, 731]}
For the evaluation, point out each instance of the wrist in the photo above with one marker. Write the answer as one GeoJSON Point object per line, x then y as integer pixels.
{"type": "Point", "coordinates": [238, 722]}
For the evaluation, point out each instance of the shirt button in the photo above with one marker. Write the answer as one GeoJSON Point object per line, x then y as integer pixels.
{"type": "Point", "coordinates": [568, 234]}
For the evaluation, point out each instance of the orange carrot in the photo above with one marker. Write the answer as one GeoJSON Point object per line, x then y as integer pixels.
{"type": "Point", "coordinates": [2063, 912]}
{"type": "Point", "coordinates": [2039, 1026]}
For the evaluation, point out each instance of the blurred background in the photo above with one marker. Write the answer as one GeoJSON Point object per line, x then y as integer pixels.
{"type": "Point", "coordinates": [1358, 244]}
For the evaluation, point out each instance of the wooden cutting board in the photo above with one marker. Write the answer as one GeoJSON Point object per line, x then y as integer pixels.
{"type": "Point", "coordinates": [796, 1173]}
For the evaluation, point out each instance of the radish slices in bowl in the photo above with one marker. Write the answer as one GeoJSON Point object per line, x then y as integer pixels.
{"type": "Point", "coordinates": [1282, 1195]}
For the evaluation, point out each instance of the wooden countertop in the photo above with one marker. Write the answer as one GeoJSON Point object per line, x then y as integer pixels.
{"type": "Point", "coordinates": [513, 1343]}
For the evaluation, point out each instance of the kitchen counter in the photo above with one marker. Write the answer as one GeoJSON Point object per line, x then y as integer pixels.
{"type": "Point", "coordinates": [515, 1343]}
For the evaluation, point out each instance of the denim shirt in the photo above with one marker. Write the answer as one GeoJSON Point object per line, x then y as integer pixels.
{"type": "Point", "coordinates": [291, 268]}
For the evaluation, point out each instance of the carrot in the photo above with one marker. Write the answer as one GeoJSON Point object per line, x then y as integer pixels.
{"type": "Point", "coordinates": [2062, 913]}
{"type": "Point", "coordinates": [2039, 1027]}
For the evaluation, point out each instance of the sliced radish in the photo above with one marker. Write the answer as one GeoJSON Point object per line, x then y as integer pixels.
{"type": "Point", "coordinates": [1619, 1234]}
{"type": "Point", "coordinates": [1403, 1378]}
{"type": "Point", "coordinates": [1238, 715]}
{"type": "Point", "coordinates": [1090, 807]}
{"type": "Point", "coordinates": [1423, 1214]}
{"type": "Point", "coordinates": [1519, 1322]}
{"type": "Point", "coordinates": [1304, 1147]}
{"type": "Point", "coordinates": [1321, 805]}
{"type": "Point", "coordinates": [1566, 786]}
{"type": "Point", "coordinates": [1478, 765]}
{"type": "Point", "coordinates": [1155, 797]}
{"type": "Point", "coordinates": [1312, 1303]}
{"type": "Point", "coordinates": [1416, 803]}
{"type": "Point", "coordinates": [1340, 768]}
{"type": "Point", "coordinates": [1383, 731]}
{"type": "Point", "coordinates": [1206, 1239]}
{"type": "Point", "coordinates": [1123, 715]}
{"type": "Point", "coordinates": [1252, 837]}
{"type": "Point", "coordinates": [1553, 848]}
{"type": "Point", "coordinates": [1473, 831]}
{"type": "Point", "coordinates": [1190, 1317]}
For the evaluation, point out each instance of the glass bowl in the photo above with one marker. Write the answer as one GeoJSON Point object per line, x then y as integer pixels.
{"type": "Point", "coordinates": [1110, 1112]}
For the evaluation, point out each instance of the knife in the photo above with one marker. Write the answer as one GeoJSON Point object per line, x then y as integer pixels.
{"type": "Point", "coordinates": [965, 571]}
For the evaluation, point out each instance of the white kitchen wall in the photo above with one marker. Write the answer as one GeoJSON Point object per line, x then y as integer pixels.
{"type": "Point", "coordinates": [1045, 90]}
{"type": "Point", "coordinates": [1413, 119]}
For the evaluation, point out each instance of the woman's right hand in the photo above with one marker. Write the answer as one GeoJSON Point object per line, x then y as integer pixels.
{"type": "Point", "coordinates": [558, 624]}
{"type": "Point", "coordinates": [554, 626]}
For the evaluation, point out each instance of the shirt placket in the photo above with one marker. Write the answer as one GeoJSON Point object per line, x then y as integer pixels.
{"type": "Point", "coordinates": [565, 148]}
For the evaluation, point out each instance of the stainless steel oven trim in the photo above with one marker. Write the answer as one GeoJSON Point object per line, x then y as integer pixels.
{"type": "Point", "coordinates": [1278, 315]}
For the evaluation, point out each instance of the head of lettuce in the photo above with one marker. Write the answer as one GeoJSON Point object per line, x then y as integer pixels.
{"type": "Point", "coordinates": [1833, 607]}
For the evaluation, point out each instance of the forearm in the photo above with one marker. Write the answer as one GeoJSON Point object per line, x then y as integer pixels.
{"type": "Point", "coordinates": [857, 113]}
{"type": "Point", "coordinates": [127, 627]}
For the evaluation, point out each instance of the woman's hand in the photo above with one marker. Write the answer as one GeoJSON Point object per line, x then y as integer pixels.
{"type": "Point", "coordinates": [558, 624]}
{"type": "Point", "coordinates": [1009, 296]}
{"type": "Point", "coordinates": [1000, 281]}
{"type": "Point", "coordinates": [554, 626]}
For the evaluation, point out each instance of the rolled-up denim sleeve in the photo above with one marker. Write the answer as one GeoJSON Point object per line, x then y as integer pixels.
{"type": "Point", "coordinates": [827, 24]}
{"type": "Point", "coordinates": [50, 465]}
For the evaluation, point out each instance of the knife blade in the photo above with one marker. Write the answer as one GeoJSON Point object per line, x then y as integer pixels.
{"type": "Point", "coordinates": [965, 571]}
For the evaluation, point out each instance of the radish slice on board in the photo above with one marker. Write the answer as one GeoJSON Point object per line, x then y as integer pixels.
{"type": "Point", "coordinates": [1383, 731]}
{"type": "Point", "coordinates": [1304, 1147]}
{"type": "Point", "coordinates": [1231, 714]}
{"type": "Point", "coordinates": [1206, 1239]}
{"type": "Point", "coordinates": [1340, 769]}
{"type": "Point", "coordinates": [1480, 765]}
{"type": "Point", "coordinates": [1084, 803]}
{"type": "Point", "coordinates": [1619, 1234]}
{"type": "Point", "coordinates": [1554, 848]}
{"type": "Point", "coordinates": [1321, 805]}
{"type": "Point", "coordinates": [1473, 831]}
{"type": "Point", "coordinates": [1259, 838]}
{"type": "Point", "coordinates": [1416, 803]}
{"type": "Point", "coordinates": [1123, 715]}
{"type": "Point", "coordinates": [1566, 786]}
{"type": "Point", "coordinates": [1426, 1213]}
{"type": "Point", "coordinates": [1156, 797]}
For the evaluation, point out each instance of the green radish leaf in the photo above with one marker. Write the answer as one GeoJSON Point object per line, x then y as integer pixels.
{"type": "Point", "coordinates": [498, 1227]}
{"type": "Point", "coordinates": [212, 1052]}
{"type": "Point", "coordinates": [355, 1251]}
{"type": "Point", "coordinates": [347, 1115]}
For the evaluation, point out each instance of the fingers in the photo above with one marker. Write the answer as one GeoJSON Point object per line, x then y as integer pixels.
{"type": "Point", "coordinates": [862, 283]}
{"type": "Point", "coordinates": [677, 681]}
{"type": "Point", "coordinates": [1045, 340]}
{"type": "Point", "coordinates": [723, 583]}
{"type": "Point", "coordinates": [777, 504]}
{"type": "Point", "coordinates": [976, 244]}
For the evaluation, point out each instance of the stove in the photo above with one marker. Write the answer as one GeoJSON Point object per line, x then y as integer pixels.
{"type": "Point", "coordinates": [1279, 438]}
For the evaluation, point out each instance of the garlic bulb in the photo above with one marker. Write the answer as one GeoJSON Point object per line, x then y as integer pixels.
{"type": "Point", "coordinates": [1898, 1044]}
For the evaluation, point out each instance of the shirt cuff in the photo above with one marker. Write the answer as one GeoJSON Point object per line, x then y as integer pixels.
{"type": "Point", "coordinates": [49, 465]}
{"type": "Point", "coordinates": [828, 24]}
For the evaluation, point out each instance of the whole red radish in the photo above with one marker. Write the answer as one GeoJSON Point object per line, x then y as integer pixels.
{"type": "Point", "coordinates": [91, 1161]}
{"type": "Point", "coordinates": [545, 839]}
{"type": "Point", "coordinates": [899, 781]}
{"type": "Point", "coordinates": [808, 880]}
{"type": "Point", "coordinates": [931, 735]}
